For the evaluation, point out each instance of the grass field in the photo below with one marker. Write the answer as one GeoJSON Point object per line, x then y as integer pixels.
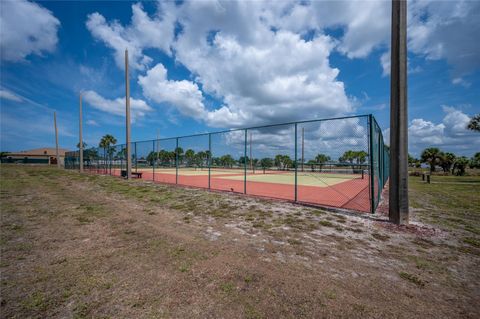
{"type": "Point", "coordinates": [91, 246]}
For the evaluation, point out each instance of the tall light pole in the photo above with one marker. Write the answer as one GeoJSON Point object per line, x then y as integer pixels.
{"type": "Point", "coordinates": [127, 111]}
{"type": "Point", "coordinates": [80, 133]}
{"type": "Point", "coordinates": [56, 138]}
{"type": "Point", "coordinates": [398, 192]}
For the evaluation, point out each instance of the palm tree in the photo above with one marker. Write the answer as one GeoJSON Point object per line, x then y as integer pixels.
{"type": "Point", "coordinates": [266, 163]}
{"type": "Point", "coordinates": [460, 165]}
{"type": "Point", "coordinates": [84, 145]}
{"type": "Point", "coordinates": [446, 161]}
{"type": "Point", "coordinates": [106, 142]}
{"type": "Point", "coordinates": [475, 161]}
{"type": "Point", "coordinates": [189, 156]}
{"type": "Point", "coordinates": [321, 159]}
{"type": "Point", "coordinates": [474, 123]}
{"type": "Point", "coordinates": [431, 156]}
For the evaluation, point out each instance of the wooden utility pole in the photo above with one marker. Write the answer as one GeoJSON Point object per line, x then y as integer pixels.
{"type": "Point", "coordinates": [80, 134]}
{"type": "Point", "coordinates": [398, 192]}
{"type": "Point", "coordinates": [56, 138]}
{"type": "Point", "coordinates": [127, 111]}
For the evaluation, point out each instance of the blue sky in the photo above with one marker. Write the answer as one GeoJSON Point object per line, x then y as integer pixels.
{"type": "Point", "coordinates": [213, 65]}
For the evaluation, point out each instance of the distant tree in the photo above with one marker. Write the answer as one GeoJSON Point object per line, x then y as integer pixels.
{"type": "Point", "coordinates": [475, 161]}
{"type": "Point", "coordinates": [201, 158]}
{"type": "Point", "coordinates": [411, 160]}
{"type": "Point", "coordinates": [431, 156]}
{"type": "Point", "coordinates": [266, 163]}
{"type": "Point", "coordinates": [84, 145]}
{"type": "Point", "coordinates": [474, 123]}
{"type": "Point", "coordinates": [446, 161]}
{"type": "Point", "coordinates": [90, 154]}
{"type": "Point", "coordinates": [4, 154]}
{"type": "Point", "coordinates": [179, 152]}
{"type": "Point", "coordinates": [460, 165]}
{"type": "Point", "coordinates": [283, 161]}
{"type": "Point", "coordinates": [321, 159]}
{"type": "Point", "coordinates": [354, 157]}
{"type": "Point", "coordinates": [107, 141]}
{"type": "Point", "coordinates": [190, 157]}
{"type": "Point", "coordinates": [152, 157]}
{"type": "Point", "coordinates": [227, 161]}
{"type": "Point", "coordinates": [243, 159]}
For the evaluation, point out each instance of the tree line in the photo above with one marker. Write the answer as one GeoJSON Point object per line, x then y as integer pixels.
{"type": "Point", "coordinates": [447, 161]}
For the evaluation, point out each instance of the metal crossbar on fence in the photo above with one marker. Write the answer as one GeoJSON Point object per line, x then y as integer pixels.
{"type": "Point", "coordinates": [340, 162]}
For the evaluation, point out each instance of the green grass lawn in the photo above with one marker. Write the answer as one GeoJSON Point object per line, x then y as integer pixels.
{"type": "Point", "coordinates": [450, 202]}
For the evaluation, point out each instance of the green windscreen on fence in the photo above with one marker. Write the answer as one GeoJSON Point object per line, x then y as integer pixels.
{"type": "Point", "coordinates": [341, 162]}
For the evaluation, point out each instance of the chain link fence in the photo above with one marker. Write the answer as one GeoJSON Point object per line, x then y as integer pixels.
{"type": "Point", "coordinates": [341, 162]}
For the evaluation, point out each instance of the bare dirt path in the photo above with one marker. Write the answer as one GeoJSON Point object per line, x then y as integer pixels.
{"type": "Point", "coordinates": [95, 246]}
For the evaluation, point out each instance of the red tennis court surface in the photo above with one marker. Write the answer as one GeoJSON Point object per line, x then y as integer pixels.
{"type": "Point", "coordinates": [350, 194]}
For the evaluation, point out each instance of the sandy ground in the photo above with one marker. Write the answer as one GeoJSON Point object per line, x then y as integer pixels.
{"type": "Point", "coordinates": [77, 246]}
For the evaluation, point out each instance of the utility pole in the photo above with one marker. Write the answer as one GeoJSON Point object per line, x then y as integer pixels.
{"type": "Point", "coordinates": [56, 138]}
{"type": "Point", "coordinates": [127, 110]}
{"type": "Point", "coordinates": [398, 192]}
{"type": "Point", "coordinates": [80, 134]}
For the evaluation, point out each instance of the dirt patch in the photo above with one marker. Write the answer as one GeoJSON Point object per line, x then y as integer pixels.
{"type": "Point", "coordinates": [97, 246]}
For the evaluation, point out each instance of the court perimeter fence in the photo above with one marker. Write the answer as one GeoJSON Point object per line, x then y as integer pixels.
{"type": "Point", "coordinates": [338, 162]}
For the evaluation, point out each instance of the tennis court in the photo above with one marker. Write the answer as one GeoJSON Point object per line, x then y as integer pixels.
{"type": "Point", "coordinates": [338, 162]}
{"type": "Point", "coordinates": [335, 189]}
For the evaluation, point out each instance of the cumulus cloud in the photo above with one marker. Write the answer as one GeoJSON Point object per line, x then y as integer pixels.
{"type": "Point", "coordinates": [138, 108]}
{"type": "Point", "coordinates": [446, 30]}
{"type": "Point", "coordinates": [143, 32]}
{"type": "Point", "coordinates": [268, 62]}
{"type": "Point", "coordinates": [262, 75]}
{"type": "Point", "coordinates": [26, 28]}
{"type": "Point", "coordinates": [92, 123]}
{"type": "Point", "coordinates": [184, 95]}
{"type": "Point", "coordinates": [450, 135]}
{"type": "Point", "coordinates": [9, 95]}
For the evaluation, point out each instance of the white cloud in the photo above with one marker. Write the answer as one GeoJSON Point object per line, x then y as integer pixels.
{"type": "Point", "coordinates": [9, 95]}
{"type": "Point", "coordinates": [449, 135]}
{"type": "Point", "coordinates": [184, 95]}
{"type": "Point", "coordinates": [138, 108]}
{"type": "Point", "coordinates": [92, 123]}
{"type": "Point", "coordinates": [446, 30]}
{"type": "Point", "coordinates": [462, 82]}
{"type": "Point", "coordinates": [262, 75]}
{"type": "Point", "coordinates": [26, 28]}
{"type": "Point", "coordinates": [269, 62]}
{"type": "Point", "coordinates": [143, 32]}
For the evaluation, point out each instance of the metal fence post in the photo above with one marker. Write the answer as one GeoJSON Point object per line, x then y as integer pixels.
{"type": "Point", "coordinates": [154, 159]}
{"type": "Point", "coordinates": [209, 157]}
{"type": "Point", "coordinates": [136, 158]}
{"type": "Point", "coordinates": [176, 163]}
{"type": "Point", "coordinates": [372, 169]}
{"type": "Point", "coordinates": [296, 164]}
{"type": "Point", "coordinates": [245, 165]}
